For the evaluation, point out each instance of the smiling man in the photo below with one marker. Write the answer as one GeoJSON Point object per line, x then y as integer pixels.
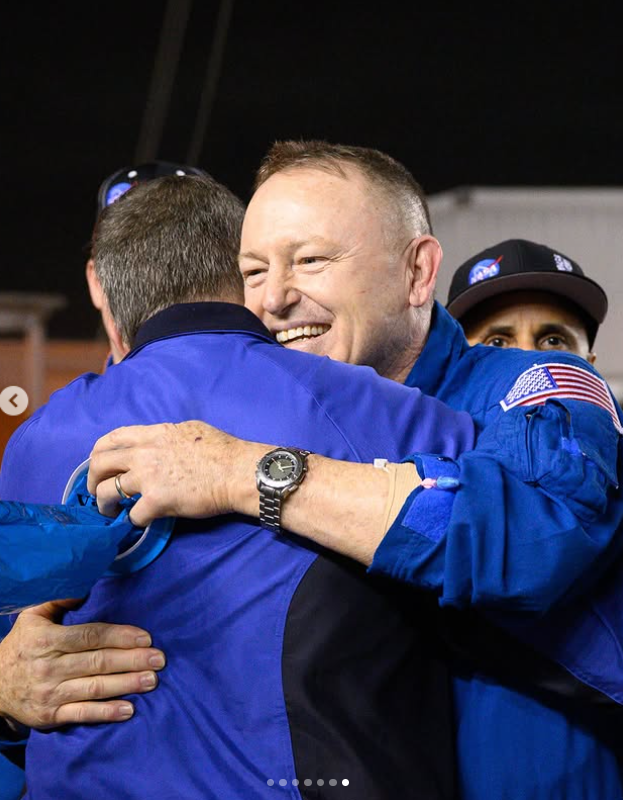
{"type": "Point", "coordinates": [338, 239]}
{"type": "Point", "coordinates": [522, 294]}
{"type": "Point", "coordinates": [363, 280]}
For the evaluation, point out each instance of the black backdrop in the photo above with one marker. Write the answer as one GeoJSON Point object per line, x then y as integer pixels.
{"type": "Point", "coordinates": [498, 95]}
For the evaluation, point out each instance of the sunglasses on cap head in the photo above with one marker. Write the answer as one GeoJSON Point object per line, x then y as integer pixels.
{"type": "Point", "coordinates": [119, 182]}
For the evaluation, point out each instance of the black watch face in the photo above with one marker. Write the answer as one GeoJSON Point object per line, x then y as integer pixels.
{"type": "Point", "coordinates": [281, 468]}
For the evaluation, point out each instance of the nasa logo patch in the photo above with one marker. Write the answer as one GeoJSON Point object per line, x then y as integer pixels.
{"type": "Point", "coordinates": [485, 269]}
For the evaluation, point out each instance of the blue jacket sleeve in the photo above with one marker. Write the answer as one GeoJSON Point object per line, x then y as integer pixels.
{"type": "Point", "coordinates": [533, 521]}
{"type": "Point", "coordinates": [54, 552]}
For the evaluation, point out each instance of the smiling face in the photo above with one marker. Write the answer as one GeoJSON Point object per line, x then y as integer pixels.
{"type": "Point", "coordinates": [528, 321]}
{"type": "Point", "coordinates": [329, 270]}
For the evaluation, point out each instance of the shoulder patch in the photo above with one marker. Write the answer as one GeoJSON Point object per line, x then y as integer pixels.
{"type": "Point", "coordinates": [545, 381]}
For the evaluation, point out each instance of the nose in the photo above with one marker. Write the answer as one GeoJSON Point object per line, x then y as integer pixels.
{"type": "Point", "coordinates": [279, 293]}
{"type": "Point", "coordinates": [525, 341]}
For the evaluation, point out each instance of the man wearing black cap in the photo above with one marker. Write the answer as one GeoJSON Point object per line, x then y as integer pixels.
{"type": "Point", "coordinates": [522, 294]}
{"type": "Point", "coordinates": [110, 190]}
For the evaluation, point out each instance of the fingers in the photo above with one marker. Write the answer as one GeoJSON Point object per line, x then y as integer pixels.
{"type": "Point", "coordinates": [109, 661]}
{"type": "Point", "coordinates": [80, 700]}
{"type": "Point", "coordinates": [87, 713]}
{"type": "Point", "coordinates": [141, 435]}
{"type": "Point", "coordinates": [153, 501]}
{"type": "Point", "coordinates": [95, 635]}
{"type": "Point", "coordinates": [166, 464]}
{"type": "Point", "coordinates": [144, 512]}
{"type": "Point", "coordinates": [133, 461]}
{"type": "Point", "coordinates": [104, 465]}
{"type": "Point", "coordinates": [128, 436]}
{"type": "Point", "coordinates": [52, 674]}
{"type": "Point", "coordinates": [108, 496]}
{"type": "Point", "coordinates": [104, 687]}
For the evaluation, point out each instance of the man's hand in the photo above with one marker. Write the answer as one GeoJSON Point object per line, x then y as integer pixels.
{"type": "Point", "coordinates": [194, 470]}
{"type": "Point", "coordinates": [184, 470]}
{"type": "Point", "coordinates": [52, 674]}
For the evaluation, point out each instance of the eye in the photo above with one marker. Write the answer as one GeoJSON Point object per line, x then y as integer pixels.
{"type": "Point", "coordinates": [553, 342]}
{"type": "Point", "coordinates": [253, 276]}
{"type": "Point", "coordinates": [496, 341]}
{"type": "Point", "coordinates": [310, 261]}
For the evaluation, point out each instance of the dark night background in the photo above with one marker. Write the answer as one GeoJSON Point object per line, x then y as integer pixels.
{"type": "Point", "coordinates": [490, 95]}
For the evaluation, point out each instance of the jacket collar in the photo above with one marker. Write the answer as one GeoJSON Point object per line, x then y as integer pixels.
{"type": "Point", "coordinates": [184, 318]}
{"type": "Point", "coordinates": [445, 344]}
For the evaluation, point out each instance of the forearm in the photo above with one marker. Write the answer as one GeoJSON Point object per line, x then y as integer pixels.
{"type": "Point", "coordinates": [194, 470]}
{"type": "Point", "coordinates": [536, 514]}
{"type": "Point", "coordinates": [340, 505]}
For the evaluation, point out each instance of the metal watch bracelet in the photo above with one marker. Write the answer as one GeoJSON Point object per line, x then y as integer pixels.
{"type": "Point", "coordinates": [270, 509]}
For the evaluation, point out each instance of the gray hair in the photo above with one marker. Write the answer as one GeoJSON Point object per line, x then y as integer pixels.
{"type": "Point", "coordinates": [165, 241]}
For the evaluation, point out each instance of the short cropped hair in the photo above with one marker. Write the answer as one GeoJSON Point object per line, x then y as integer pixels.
{"type": "Point", "coordinates": [384, 172]}
{"type": "Point", "coordinates": [168, 240]}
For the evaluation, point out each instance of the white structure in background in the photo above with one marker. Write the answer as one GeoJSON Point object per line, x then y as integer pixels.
{"type": "Point", "coordinates": [585, 224]}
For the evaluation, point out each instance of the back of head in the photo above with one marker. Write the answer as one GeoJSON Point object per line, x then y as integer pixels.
{"type": "Point", "coordinates": [383, 172]}
{"type": "Point", "coordinates": [167, 240]}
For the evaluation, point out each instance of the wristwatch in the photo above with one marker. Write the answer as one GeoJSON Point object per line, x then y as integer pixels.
{"type": "Point", "coordinates": [279, 473]}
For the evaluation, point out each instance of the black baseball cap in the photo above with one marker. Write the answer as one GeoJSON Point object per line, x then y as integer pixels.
{"type": "Point", "coordinates": [123, 179]}
{"type": "Point", "coordinates": [521, 265]}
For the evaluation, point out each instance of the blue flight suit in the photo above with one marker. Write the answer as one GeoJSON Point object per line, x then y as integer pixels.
{"type": "Point", "coordinates": [484, 774]}
{"type": "Point", "coordinates": [285, 663]}
{"type": "Point", "coordinates": [534, 520]}
{"type": "Point", "coordinates": [11, 775]}
{"type": "Point", "coordinates": [11, 780]}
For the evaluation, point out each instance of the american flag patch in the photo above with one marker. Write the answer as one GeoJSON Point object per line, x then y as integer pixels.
{"type": "Point", "coordinates": [538, 384]}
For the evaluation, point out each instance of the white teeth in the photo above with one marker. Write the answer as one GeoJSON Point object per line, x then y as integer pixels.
{"type": "Point", "coordinates": [298, 333]}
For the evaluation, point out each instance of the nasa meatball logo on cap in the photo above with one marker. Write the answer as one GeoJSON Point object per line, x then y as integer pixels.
{"type": "Point", "coordinates": [487, 268]}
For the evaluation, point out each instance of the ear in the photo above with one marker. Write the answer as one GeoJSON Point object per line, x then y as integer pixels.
{"type": "Point", "coordinates": [95, 287]}
{"type": "Point", "coordinates": [118, 348]}
{"type": "Point", "coordinates": [424, 257]}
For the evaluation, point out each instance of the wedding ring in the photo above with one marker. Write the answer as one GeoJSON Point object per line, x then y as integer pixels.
{"type": "Point", "coordinates": [119, 489]}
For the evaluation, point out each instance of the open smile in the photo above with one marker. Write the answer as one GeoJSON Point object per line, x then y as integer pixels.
{"type": "Point", "coordinates": [303, 332]}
